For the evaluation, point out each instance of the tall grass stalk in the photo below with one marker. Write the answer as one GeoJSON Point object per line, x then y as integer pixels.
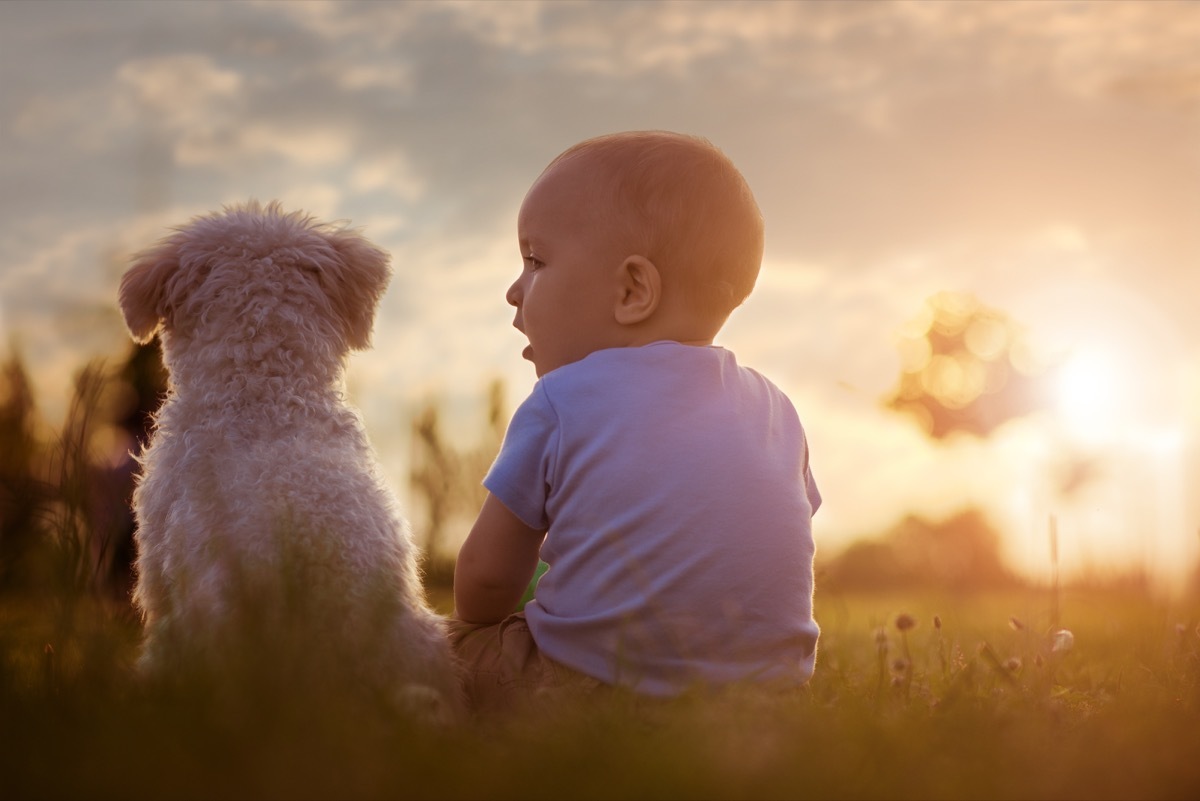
{"type": "Point", "coordinates": [1055, 591]}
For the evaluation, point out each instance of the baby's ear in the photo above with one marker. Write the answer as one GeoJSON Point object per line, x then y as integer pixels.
{"type": "Point", "coordinates": [143, 291]}
{"type": "Point", "coordinates": [639, 290]}
{"type": "Point", "coordinates": [355, 286]}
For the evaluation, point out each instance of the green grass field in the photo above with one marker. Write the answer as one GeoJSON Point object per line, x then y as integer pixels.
{"type": "Point", "coordinates": [975, 705]}
{"type": "Point", "coordinates": [917, 694]}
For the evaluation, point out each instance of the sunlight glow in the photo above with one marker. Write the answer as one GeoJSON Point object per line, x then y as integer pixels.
{"type": "Point", "coordinates": [1090, 395]}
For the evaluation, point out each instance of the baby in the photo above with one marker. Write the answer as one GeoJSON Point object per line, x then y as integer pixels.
{"type": "Point", "coordinates": [666, 486]}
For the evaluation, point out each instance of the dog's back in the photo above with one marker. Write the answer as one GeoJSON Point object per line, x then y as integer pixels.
{"type": "Point", "coordinates": [264, 527]}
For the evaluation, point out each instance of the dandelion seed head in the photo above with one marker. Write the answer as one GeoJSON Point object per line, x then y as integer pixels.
{"type": "Point", "coordinates": [1063, 641]}
{"type": "Point", "coordinates": [897, 681]}
{"type": "Point", "coordinates": [905, 621]}
{"type": "Point", "coordinates": [900, 666]}
{"type": "Point", "coordinates": [1015, 624]}
{"type": "Point", "coordinates": [1012, 664]}
{"type": "Point", "coordinates": [937, 622]}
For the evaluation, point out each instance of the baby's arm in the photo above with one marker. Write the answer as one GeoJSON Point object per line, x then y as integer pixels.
{"type": "Point", "coordinates": [495, 564]}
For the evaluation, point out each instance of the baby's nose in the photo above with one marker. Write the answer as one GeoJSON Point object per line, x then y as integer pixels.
{"type": "Point", "coordinates": [513, 295]}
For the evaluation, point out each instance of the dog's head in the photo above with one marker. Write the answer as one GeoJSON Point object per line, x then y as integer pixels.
{"type": "Point", "coordinates": [249, 262]}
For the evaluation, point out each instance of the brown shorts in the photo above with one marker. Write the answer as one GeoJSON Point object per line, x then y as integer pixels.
{"type": "Point", "coordinates": [503, 670]}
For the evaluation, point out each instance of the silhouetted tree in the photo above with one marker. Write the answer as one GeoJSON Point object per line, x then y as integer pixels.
{"type": "Point", "coordinates": [449, 480]}
{"type": "Point", "coordinates": [65, 519]}
{"type": "Point", "coordinates": [961, 552]}
{"type": "Point", "coordinates": [965, 369]}
{"type": "Point", "coordinates": [24, 494]}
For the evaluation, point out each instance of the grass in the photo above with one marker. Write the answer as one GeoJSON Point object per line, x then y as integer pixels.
{"type": "Point", "coordinates": [982, 707]}
{"type": "Point", "coordinates": [917, 694]}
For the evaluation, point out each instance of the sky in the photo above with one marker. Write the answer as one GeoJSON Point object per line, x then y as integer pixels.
{"type": "Point", "coordinates": [1043, 157]}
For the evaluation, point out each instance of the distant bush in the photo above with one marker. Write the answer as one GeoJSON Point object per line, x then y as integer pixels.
{"type": "Point", "coordinates": [961, 552]}
{"type": "Point", "coordinates": [65, 519]}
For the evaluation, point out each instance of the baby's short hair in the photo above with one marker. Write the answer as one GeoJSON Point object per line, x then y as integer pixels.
{"type": "Point", "coordinates": [687, 208]}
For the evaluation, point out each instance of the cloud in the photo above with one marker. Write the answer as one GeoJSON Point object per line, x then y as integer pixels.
{"type": "Point", "coordinates": [1077, 46]}
{"type": "Point", "coordinates": [1162, 86]}
{"type": "Point", "coordinates": [182, 90]}
{"type": "Point", "coordinates": [59, 116]}
{"type": "Point", "coordinates": [309, 146]}
{"type": "Point", "coordinates": [322, 199]}
{"type": "Point", "coordinates": [392, 77]}
{"type": "Point", "coordinates": [204, 111]}
{"type": "Point", "coordinates": [374, 25]}
{"type": "Point", "coordinates": [390, 172]}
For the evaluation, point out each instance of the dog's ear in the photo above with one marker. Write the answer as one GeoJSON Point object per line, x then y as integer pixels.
{"type": "Point", "coordinates": [143, 289]}
{"type": "Point", "coordinates": [355, 287]}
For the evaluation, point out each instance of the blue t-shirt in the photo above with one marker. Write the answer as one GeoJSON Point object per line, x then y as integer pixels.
{"type": "Point", "coordinates": [675, 490]}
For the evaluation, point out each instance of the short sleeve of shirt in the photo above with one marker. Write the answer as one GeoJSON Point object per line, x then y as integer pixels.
{"type": "Point", "coordinates": [520, 476]}
{"type": "Point", "coordinates": [810, 488]}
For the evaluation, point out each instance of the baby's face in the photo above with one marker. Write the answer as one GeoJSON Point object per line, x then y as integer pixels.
{"type": "Point", "coordinates": [567, 289]}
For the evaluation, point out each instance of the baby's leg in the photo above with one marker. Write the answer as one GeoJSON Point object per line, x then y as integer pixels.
{"type": "Point", "coordinates": [503, 671]}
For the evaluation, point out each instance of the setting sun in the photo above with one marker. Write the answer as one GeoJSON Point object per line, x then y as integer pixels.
{"type": "Point", "coordinates": [1089, 391]}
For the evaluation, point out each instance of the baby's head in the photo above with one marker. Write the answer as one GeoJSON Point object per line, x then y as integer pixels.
{"type": "Point", "coordinates": [633, 237]}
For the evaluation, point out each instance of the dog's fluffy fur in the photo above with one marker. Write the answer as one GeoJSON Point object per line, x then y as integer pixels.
{"type": "Point", "coordinates": [261, 510]}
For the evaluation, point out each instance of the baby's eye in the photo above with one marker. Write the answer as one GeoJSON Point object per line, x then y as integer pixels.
{"type": "Point", "coordinates": [533, 262]}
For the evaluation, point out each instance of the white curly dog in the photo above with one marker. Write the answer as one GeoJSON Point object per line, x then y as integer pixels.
{"type": "Point", "coordinates": [265, 531]}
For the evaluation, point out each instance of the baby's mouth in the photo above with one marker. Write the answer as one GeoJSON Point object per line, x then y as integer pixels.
{"type": "Point", "coordinates": [527, 353]}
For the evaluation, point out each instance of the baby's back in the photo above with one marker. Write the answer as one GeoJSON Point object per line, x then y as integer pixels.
{"type": "Point", "coordinates": [678, 504]}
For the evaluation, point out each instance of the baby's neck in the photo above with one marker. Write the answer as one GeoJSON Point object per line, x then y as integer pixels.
{"type": "Point", "coordinates": [640, 337]}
